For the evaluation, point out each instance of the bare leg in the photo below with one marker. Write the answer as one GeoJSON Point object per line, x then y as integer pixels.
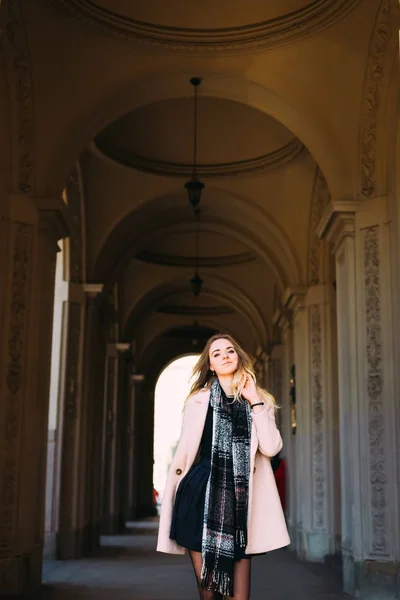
{"type": "Point", "coordinates": [242, 575]}
{"type": "Point", "coordinates": [197, 562]}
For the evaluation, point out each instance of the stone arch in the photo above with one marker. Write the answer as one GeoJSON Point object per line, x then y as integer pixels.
{"type": "Point", "coordinates": [170, 85]}
{"type": "Point", "coordinates": [271, 242]}
{"type": "Point", "coordinates": [219, 287]}
{"type": "Point", "coordinates": [321, 198]}
{"type": "Point", "coordinates": [152, 361]}
{"type": "Point", "coordinates": [18, 74]}
{"type": "Point", "coordinates": [76, 242]}
{"type": "Point", "coordinates": [376, 116]}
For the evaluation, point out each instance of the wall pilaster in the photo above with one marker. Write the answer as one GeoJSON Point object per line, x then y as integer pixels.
{"type": "Point", "coordinates": [70, 528]}
{"type": "Point", "coordinates": [128, 475]}
{"type": "Point", "coordinates": [112, 432]}
{"type": "Point", "coordinates": [295, 301]}
{"type": "Point", "coordinates": [369, 448]}
{"type": "Point", "coordinates": [322, 424]}
{"type": "Point", "coordinates": [94, 355]}
{"type": "Point", "coordinates": [30, 229]}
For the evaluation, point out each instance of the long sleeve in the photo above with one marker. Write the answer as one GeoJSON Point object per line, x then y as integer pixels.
{"type": "Point", "coordinates": [269, 437]}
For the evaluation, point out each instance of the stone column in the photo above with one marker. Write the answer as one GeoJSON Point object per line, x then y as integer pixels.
{"type": "Point", "coordinates": [283, 320]}
{"type": "Point", "coordinates": [288, 425]}
{"type": "Point", "coordinates": [275, 372]}
{"type": "Point", "coordinates": [133, 466]}
{"type": "Point", "coordinates": [70, 527]}
{"type": "Point", "coordinates": [322, 424]}
{"type": "Point", "coordinates": [124, 481]}
{"type": "Point", "coordinates": [127, 396]}
{"type": "Point", "coordinates": [294, 300]}
{"type": "Point", "coordinates": [369, 448]}
{"type": "Point", "coordinates": [111, 475]}
{"type": "Point", "coordinates": [94, 358]}
{"type": "Point", "coordinates": [29, 230]}
{"type": "Point", "coordinates": [143, 449]}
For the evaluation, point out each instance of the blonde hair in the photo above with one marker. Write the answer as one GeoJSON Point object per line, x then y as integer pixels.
{"type": "Point", "coordinates": [204, 377]}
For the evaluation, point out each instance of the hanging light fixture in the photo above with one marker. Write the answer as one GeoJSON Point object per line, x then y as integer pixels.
{"type": "Point", "coordinates": [196, 282]}
{"type": "Point", "coordinates": [194, 186]}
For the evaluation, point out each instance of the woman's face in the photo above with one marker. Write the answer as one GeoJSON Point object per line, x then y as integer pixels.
{"type": "Point", "coordinates": [223, 357]}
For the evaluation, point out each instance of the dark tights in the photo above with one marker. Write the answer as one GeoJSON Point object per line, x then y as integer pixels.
{"type": "Point", "coordinates": [242, 572]}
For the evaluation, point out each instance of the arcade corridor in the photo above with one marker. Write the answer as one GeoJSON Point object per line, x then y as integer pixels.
{"type": "Point", "coordinates": [170, 169]}
{"type": "Point", "coordinates": [128, 568]}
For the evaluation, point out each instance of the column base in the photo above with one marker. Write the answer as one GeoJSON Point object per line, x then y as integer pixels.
{"type": "Point", "coordinates": [21, 576]}
{"type": "Point", "coordinates": [78, 542]}
{"type": "Point", "coordinates": [370, 579]}
{"type": "Point", "coordinates": [318, 546]}
{"type": "Point", "coordinates": [312, 546]}
{"type": "Point", "coordinates": [112, 525]}
{"type": "Point", "coordinates": [50, 546]}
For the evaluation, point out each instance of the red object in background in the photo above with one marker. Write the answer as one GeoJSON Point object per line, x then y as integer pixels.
{"type": "Point", "coordinates": [155, 497]}
{"type": "Point", "coordinates": [280, 478]}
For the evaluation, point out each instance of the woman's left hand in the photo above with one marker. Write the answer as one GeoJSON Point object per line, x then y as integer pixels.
{"type": "Point", "coordinates": [249, 391]}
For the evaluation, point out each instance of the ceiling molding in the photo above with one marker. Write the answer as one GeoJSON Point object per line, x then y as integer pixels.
{"type": "Point", "coordinates": [267, 162]}
{"type": "Point", "coordinates": [195, 311]}
{"type": "Point", "coordinates": [190, 261]}
{"type": "Point", "coordinates": [287, 28]}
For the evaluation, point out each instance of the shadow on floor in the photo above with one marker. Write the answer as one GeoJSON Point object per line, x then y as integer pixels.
{"type": "Point", "coordinates": [128, 567]}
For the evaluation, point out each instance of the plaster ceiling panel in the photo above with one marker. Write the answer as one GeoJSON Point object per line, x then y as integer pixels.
{"type": "Point", "coordinates": [228, 133]}
{"type": "Point", "coordinates": [208, 14]}
{"type": "Point", "coordinates": [226, 25]}
{"type": "Point", "coordinates": [211, 244]}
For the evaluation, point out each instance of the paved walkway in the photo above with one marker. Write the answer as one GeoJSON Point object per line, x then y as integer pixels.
{"type": "Point", "coordinates": [128, 568]}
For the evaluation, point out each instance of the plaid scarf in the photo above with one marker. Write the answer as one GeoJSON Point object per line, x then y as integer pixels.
{"type": "Point", "coordinates": [225, 511]}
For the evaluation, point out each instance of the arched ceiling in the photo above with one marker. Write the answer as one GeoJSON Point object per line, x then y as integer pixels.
{"type": "Point", "coordinates": [209, 15]}
{"type": "Point", "coordinates": [245, 257]}
{"type": "Point", "coordinates": [222, 25]}
{"type": "Point", "coordinates": [266, 119]}
{"type": "Point", "coordinates": [233, 138]}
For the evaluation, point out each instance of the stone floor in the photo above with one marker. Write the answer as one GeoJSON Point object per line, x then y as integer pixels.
{"type": "Point", "coordinates": [128, 568]}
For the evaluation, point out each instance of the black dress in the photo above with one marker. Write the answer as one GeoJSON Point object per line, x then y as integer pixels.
{"type": "Point", "coordinates": [188, 512]}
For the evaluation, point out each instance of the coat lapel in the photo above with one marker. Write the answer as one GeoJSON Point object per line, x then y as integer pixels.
{"type": "Point", "coordinates": [197, 426]}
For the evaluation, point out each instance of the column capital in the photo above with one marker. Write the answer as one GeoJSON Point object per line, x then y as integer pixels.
{"type": "Point", "coordinates": [294, 297]}
{"type": "Point", "coordinates": [92, 289]}
{"type": "Point", "coordinates": [53, 214]}
{"type": "Point", "coordinates": [120, 349]}
{"type": "Point", "coordinates": [137, 378]}
{"type": "Point", "coordinates": [338, 222]}
{"type": "Point", "coordinates": [282, 318]}
{"type": "Point", "coordinates": [123, 346]}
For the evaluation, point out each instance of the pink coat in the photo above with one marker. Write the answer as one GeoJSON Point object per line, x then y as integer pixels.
{"type": "Point", "coordinates": [266, 527]}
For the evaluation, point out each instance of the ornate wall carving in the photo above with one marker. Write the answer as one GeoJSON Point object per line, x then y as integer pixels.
{"type": "Point", "coordinates": [10, 436]}
{"type": "Point", "coordinates": [317, 421]}
{"type": "Point", "coordinates": [377, 71]}
{"type": "Point", "coordinates": [22, 96]}
{"type": "Point", "coordinates": [320, 200]}
{"type": "Point", "coordinates": [288, 28]}
{"type": "Point", "coordinates": [376, 418]}
{"type": "Point", "coordinates": [75, 205]}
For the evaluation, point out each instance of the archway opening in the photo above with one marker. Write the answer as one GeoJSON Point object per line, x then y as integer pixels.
{"type": "Point", "coordinates": [171, 391]}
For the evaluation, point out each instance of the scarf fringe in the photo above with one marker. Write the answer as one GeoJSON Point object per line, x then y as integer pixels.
{"type": "Point", "coordinates": [217, 581]}
{"type": "Point", "coordinates": [241, 538]}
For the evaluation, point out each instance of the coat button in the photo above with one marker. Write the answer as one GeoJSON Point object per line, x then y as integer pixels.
{"type": "Point", "coordinates": [178, 471]}
{"type": "Point", "coordinates": [254, 470]}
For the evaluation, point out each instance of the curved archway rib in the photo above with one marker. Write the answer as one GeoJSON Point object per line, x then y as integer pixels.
{"type": "Point", "coordinates": [162, 86]}
{"type": "Point", "coordinates": [263, 235]}
{"type": "Point", "coordinates": [215, 286]}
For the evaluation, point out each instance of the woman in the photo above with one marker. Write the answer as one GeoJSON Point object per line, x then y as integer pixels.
{"type": "Point", "coordinates": [220, 501]}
